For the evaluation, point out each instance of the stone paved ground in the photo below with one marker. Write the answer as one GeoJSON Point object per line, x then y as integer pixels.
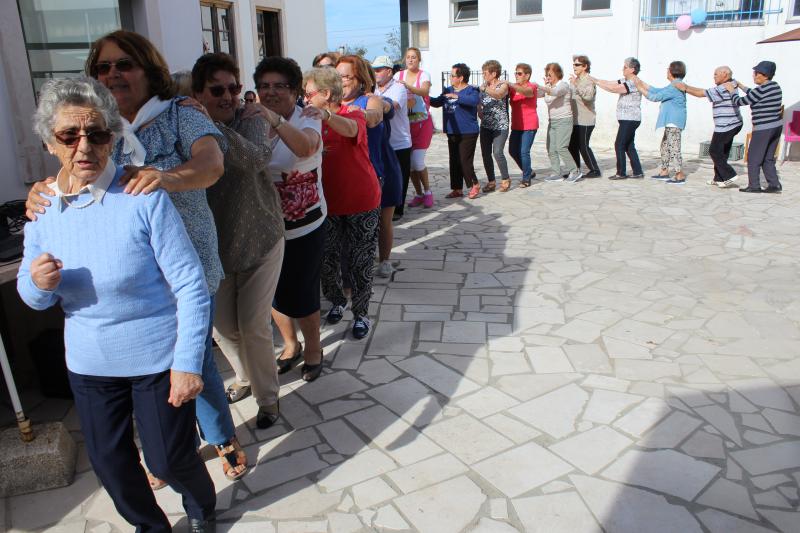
{"type": "Point", "coordinates": [567, 358]}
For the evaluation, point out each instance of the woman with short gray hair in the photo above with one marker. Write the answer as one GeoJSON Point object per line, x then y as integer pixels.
{"type": "Point", "coordinates": [629, 116]}
{"type": "Point", "coordinates": [136, 302]}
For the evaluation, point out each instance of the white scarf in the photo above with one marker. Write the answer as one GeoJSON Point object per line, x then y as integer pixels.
{"type": "Point", "coordinates": [131, 143]}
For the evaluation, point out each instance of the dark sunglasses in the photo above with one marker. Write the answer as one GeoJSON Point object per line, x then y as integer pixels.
{"type": "Point", "coordinates": [71, 138]}
{"type": "Point", "coordinates": [219, 90]}
{"type": "Point", "coordinates": [519, 74]}
{"type": "Point", "coordinates": [104, 67]}
{"type": "Point", "coordinates": [578, 65]}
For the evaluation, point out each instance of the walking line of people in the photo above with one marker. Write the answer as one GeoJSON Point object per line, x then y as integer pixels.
{"type": "Point", "coordinates": [183, 214]}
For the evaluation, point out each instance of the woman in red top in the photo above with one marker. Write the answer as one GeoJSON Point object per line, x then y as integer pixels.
{"type": "Point", "coordinates": [524, 120]}
{"type": "Point", "coordinates": [353, 195]}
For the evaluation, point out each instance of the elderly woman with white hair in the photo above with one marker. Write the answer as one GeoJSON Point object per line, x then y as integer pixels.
{"type": "Point", "coordinates": [136, 303]}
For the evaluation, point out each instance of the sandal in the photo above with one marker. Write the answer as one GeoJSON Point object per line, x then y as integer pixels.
{"type": "Point", "coordinates": [456, 193]}
{"type": "Point", "coordinates": [284, 365]}
{"type": "Point", "coordinates": [237, 392]}
{"type": "Point", "coordinates": [505, 185]}
{"type": "Point", "coordinates": [489, 187]}
{"type": "Point", "coordinates": [155, 483]}
{"type": "Point", "coordinates": [524, 184]}
{"type": "Point", "coordinates": [232, 456]}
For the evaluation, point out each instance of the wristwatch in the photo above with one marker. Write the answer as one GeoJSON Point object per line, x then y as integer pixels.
{"type": "Point", "coordinates": [281, 122]}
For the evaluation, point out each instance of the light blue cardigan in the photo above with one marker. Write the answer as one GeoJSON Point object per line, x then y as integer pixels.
{"type": "Point", "coordinates": [673, 105]}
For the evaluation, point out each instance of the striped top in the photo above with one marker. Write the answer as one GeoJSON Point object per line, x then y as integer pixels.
{"type": "Point", "coordinates": [765, 105]}
{"type": "Point", "coordinates": [726, 115]}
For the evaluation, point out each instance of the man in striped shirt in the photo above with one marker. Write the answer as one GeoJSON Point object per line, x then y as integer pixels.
{"type": "Point", "coordinates": [727, 124]}
{"type": "Point", "coordinates": [767, 115]}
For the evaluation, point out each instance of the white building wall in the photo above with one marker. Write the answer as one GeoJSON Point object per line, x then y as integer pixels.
{"type": "Point", "coordinates": [608, 40]}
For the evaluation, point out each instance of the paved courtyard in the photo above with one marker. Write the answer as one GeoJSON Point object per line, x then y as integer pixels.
{"type": "Point", "coordinates": [599, 356]}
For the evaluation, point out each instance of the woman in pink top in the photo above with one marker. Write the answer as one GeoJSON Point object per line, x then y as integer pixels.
{"type": "Point", "coordinates": [418, 83]}
{"type": "Point", "coordinates": [524, 120]}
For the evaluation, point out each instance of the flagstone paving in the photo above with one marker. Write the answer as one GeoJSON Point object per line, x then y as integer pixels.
{"type": "Point", "coordinates": [600, 356]}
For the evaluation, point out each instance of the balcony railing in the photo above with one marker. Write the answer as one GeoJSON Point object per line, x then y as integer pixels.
{"type": "Point", "coordinates": [662, 14]}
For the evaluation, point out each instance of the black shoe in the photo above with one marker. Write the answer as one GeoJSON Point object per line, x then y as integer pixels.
{"type": "Point", "coordinates": [533, 175]}
{"type": "Point", "coordinates": [361, 325]}
{"type": "Point", "coordinates": [593, 174]}
{"type": "Point", "coordinates": [773, 189]}
{"type": "Point", "coordinates": [202, 526]}
{"type": "Point", "coordinates": [396, 217]}
{"type": "Point", "coordinates": [335, 314]}
{"type": "Point", "coordinates": [284, 365]}
{"type": "Point", "coordinates": [618, 177]}
{"type": "Point", "coordinates": [266, 419]}
{"type": "Point", "coordinates": [312, 372]}
{"type": "Point", "coordinates": [751, 189]}
{"type": "Point", "coordinates": [636, 176]}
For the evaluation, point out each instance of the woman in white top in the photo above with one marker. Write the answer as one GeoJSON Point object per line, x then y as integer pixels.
{"type": "Point", "coordinates": [558, 97]}
{"type": "Point", "coordinates": [296, 169]}
{"type": "Point", "coordinates": [418, 83]}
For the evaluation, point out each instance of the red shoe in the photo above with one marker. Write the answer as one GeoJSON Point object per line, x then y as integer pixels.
{"type": "Point", "coordinates": [474, 192]}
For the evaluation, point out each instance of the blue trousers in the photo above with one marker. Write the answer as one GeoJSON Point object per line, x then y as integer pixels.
{"type": "Point", "coordinates": [106, 407]}
{"type": "Point", "coordinates": [213, 412]}
{"type": "Point", "coordinates": [519, 146]}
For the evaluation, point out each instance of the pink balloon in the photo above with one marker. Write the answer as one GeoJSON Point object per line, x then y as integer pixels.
{"type": "Point", "coordinates": [683, 23]}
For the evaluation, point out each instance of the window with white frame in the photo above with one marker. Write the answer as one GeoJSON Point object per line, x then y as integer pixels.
{"type": "Point", "coordinates": [591, 8]}
{"type": "Point", "coordinates": [419, 34]}
{"type": "Point", "coordinates": [662, 14]}
{"type": "Point", "coordinates": [464, 12]}
{"type": "Point", "coordinates": [794, 12]}
{"type": "Point", "coordinates": [527, 9]}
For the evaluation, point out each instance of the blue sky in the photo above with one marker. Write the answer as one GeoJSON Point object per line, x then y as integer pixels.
{"type": "Point", "coordinates": [366, 22]}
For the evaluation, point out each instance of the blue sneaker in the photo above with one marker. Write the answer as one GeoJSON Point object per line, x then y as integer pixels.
{"type": "Point", "coordinates": [361, 325]}
{"type": "Point", "coordinates": [673, 181]}
{"type": "Point", "coordinates": [335, 314]}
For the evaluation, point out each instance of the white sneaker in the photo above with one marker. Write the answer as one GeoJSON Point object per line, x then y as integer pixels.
{"type": "Point", "coordinates": [385, 269]}
{"type": "Point", "coordinates": [727, 184]}
{"type": "Point", "coordinates": [574, 176]}
{"type": "Point", "coordinates": [711, 182]}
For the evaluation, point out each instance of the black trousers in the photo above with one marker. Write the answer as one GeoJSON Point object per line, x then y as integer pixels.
{"type": "Point", "coordinates": [623, 145]}
{"type": "Point", "coordinates": [404, 158]}
{"type": "Point", "coordinates": [461, 152]}
{"type": "Point", "coordinates": [761, 156]}
{"type": "Point", "coordinates": [106, 407]}
{"type": "Point", "coordinates": [719, 150]}
{"type": "Point", "coordinates": [579, 147]}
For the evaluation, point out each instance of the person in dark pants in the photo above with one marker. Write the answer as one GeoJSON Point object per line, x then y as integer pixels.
{"type": "Point", "coordinates": [400, 137]}
{"type": "Point", "coordinates": [137, 309]}
{"type": "Point", "coordinates": [629, 116]}
{"type": "Point", "coordinates": [727, 124]}
{"type": "Point", "coordinates": [584, 93]}
{"type": "Point", "coordinates": [494, 124]}
{"type": "Point", "coordinates": [766, 103]}
{"type": "Point", "coordinates": [459, 103]}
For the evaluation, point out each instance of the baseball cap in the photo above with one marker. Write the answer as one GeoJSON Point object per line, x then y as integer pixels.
{"type": "Point", "coordinates": [382, 62]}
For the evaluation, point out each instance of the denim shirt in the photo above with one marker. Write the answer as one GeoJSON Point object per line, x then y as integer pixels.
{"type": "Point", "coordinates": [673, 105]}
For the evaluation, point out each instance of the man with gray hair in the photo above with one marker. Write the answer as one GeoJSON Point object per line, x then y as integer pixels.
{"type": "Point", "coordinates": [727, 124]}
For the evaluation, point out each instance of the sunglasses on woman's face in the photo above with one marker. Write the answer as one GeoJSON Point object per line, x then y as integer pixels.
{"type": "Point", "coordinates": [102, 68]}
{"type": "Point", "coordinates": [219, 90]}
{"type": "Point", "coordinates": [71, 138]}
{"type": "Point", "coordinates": [519, 74]}
{"type": "Point", "coordinates": [577, 64]}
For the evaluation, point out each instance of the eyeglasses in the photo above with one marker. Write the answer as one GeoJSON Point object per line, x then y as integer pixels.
{"type": "Point", "coordinates": [219, 90]}
{"type": "Point", "coordinates": [311, 95]}
{"type": "Point", "coordinates": [71, 138]}
{"type": "Point", "coordinates": [102, 68]}
{"type": "Point", "coordinates": [276, 86]}
{"type": "Point", "coordinates": [519, 74]}
{"type": "Point", "coordinates": [347, 77]}
{"type": "Point", "coordinates": [578, 65]}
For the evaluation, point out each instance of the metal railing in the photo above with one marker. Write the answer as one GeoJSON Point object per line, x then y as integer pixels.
{"type": "Point", "coordinates": [475, 77]}
{"type": "Point", "coordinates": [662, 14]}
